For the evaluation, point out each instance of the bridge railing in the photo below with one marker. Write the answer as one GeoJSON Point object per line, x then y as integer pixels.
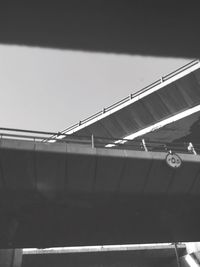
{"type": "Point", "coordinates": [99, 142]}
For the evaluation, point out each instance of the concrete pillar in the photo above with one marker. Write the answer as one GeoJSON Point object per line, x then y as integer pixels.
{"type": "Point", "coordinates": [189, 260]}
{"type": "Point", "coordinates": [192, 257]}
{"type": "Point", "coordinates": [10, 257]}
{"type": "Point", "coordinates": [192, 247]}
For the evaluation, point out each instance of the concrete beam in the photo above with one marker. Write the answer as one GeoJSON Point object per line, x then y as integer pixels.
{"type": "Point", "coordinates": [87, 25]}
{"type": "Point", "coordinates": [71, 194]}
{"type": "Point", "coordinates": [10, 257]}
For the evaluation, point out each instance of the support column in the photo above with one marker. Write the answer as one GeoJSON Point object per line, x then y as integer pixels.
{"type": "Point", "coordinates": [192, 247]}
{"type": "Point", "coordinates": [192, 257]}
{"type": "Point", "coordinates": [10, 257]}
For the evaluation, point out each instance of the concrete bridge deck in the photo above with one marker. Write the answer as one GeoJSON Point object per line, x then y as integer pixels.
{"type": "Point", "coordinates": [151, 255]}
{"type": "Point", "coordinates": [66, 194]}
{"type": "Point", "coordinates": [137, 28]}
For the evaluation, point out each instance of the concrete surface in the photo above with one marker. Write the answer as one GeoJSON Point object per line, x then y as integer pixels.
{"type": "Point", "coordinates": [146, 257]}
{"type": "Point", "coordinates": [138, 28]}
{"type": "Point", "coordinates": [10, 257]}
{"type": "Point", "coordinates": [71, 194]}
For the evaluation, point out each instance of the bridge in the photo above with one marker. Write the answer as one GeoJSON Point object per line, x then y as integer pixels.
{"type": "Point", "coordinates": [77, 192]}
{"type": "Point", "coordinates": [138, 28]}
{"type": "Point", "coordinates": [128, 174]}
{"type": "Point", "coordinates": [167, 110]}
{"type": "Point", "coordinates": [45, 198]}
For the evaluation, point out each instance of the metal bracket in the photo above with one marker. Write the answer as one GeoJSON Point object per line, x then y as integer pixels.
{"type": "Point", "coordinates": [191, 148]}
{"type": "Point", "coordinates": [144, 145]}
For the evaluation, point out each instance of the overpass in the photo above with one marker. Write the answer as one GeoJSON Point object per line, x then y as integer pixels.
{"type": "Point", "coordinates": [152, 255]}
{"type": "Point", "coordinates": [138, 28]}
{"type": "Point", "coordinates": [78, 192]}
{"type": "Point", "coordinates": [167, 110]}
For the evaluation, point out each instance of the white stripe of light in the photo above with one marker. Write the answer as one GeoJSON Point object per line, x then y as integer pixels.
{"type": "Point", "coordinates": [191, 261]}
{"type": "Point", "coordinates": [97, 248]}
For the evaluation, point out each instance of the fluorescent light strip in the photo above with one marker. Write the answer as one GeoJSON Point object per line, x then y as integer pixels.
{"type": "Point", "coordinates": [191, 261]}
{"type": "Point", "coordinates": [136, 98]}
{"type": "Point", "coordinates": [102, 248]}
{"type": "Point", "coordinates": [52, 141]}
{"type": "Point", "coordinates": [110, 145]}
{"type": "Point", "coordinates": [61, 137]}
{"type": "Point", "coordinates": [158, 125]}
{"type": "Point", "coordinates": [56, 138]}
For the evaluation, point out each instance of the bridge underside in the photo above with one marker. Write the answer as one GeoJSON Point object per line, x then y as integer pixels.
{"type": "Point", "coordinates": [183, 130]}
{"type": "Point", "coordinates": [151, 256]}
{"type": "Point", "coordinates": [139, 27]}
{"type": "Point", "coordinates": [71, 194]}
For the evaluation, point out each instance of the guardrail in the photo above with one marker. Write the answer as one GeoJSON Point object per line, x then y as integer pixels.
{"type": "Point", "coordinates": [99, 142]}
{"type": "Point", "coordinates": [128, 98]}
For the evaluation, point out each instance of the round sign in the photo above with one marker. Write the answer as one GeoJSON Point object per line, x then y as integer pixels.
{"type": "Point", "coordinates": [173, 160]}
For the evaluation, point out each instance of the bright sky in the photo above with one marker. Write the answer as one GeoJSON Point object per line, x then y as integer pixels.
{"type": "Point", "coordinates": [50, 89]}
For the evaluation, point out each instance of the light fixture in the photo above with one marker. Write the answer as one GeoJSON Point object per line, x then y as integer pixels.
{"type": "Point", "coordinates": [173, 160]}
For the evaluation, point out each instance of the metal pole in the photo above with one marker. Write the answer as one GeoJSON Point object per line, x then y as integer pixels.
{"type": "Point", "coordinates": [92, 137]}
{"type": "Point", "coordinates": [177, 256]}
{"type": "Point", "coordinates": [144, 145]}
{"type": "Point", "coordinates": [191, 148]}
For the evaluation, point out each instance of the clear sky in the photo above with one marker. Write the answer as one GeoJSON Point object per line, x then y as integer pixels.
{"type": "Point", "coordinates": [50, 89]}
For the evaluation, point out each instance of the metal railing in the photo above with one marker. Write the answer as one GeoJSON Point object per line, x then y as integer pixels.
{"type": "Point", "coordinates": [128, 98]}
{"type": "Point", "coordinates": [99, 142]}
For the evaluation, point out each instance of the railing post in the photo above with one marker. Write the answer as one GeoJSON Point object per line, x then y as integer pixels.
{"type": "Point", "coordinates": [144, 145]}
{"type": "Point", "coordinates": [92, 139]}
{"type": "Point", "coordinates": [177, 256]}
{"type": "Point", "coordinates": [191, 148]}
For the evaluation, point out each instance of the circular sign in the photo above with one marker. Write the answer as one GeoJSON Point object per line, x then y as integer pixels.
{"type": "Point", "coordinates": [173, 160]}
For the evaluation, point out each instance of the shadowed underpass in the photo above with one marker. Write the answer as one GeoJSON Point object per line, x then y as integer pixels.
{"type": "Point", "coordinates": [168, 29]}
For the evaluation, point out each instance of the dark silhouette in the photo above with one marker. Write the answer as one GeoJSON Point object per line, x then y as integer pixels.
{"type": "Point", "coordinates": [134, 27]}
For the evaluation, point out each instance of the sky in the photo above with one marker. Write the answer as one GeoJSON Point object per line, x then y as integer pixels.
{"type": "Point", "coordinates": [51, 89]}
